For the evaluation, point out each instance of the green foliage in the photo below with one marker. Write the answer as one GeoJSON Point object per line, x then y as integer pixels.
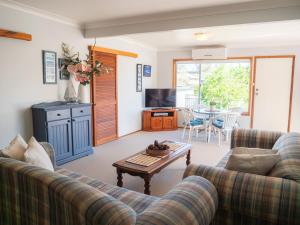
{"type": "Point", "coordinates": [227, 86]}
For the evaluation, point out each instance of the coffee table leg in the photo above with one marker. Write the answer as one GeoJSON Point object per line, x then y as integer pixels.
{"type": "Point", "coordinates": [147, 180]}
{"type": "Point", "coordinates": [188, 158]}
{"type": "Point", "coordinates": [120, 177]}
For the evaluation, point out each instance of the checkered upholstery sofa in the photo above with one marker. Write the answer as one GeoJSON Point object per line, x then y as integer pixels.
{"type": "Point", "coordinates": [33, 196]}
{"type": "Point", "coordinates": [250, 199]}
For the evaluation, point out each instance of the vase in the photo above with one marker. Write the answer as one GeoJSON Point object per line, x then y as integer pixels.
{"type": "Point", "coordinates": [71, 94]}
{"type": "Point", "coordinates": [84, 93]}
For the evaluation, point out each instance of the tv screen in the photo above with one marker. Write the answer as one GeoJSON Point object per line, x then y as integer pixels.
{"type": "Point", "coordinates": [160, 98]}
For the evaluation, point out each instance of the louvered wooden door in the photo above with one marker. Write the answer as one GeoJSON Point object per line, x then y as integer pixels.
{"type": "Point", "coordinates": [104, 97]}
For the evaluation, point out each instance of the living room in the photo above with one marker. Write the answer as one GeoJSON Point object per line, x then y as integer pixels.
{"type": "Point", "coordinates": [96, 83]}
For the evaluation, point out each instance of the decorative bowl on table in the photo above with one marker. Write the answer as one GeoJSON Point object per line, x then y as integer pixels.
{"type": "Point", "coordinates": [157, 149]}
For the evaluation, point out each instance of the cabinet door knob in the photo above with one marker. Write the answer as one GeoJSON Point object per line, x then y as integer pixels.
{"type": "Point", "coordinates": [68, 121]}
{"type": "Point", "coordinates": [73, 120]}
{"type": "Point", "coordinates": [58, 114]}
{"type": "Point", "coordinates": [81, 111]}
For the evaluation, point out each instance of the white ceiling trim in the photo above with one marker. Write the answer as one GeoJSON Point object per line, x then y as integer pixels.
{"type": "Point", "coordinates": [250, 12]}
{"type": "Point", "coordinates": [191, 13]}
{"type": "Point", "coordinates": [38, 12]}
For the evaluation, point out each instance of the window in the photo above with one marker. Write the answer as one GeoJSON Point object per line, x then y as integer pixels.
{"type": "Point", "coordinates": [225, 82]}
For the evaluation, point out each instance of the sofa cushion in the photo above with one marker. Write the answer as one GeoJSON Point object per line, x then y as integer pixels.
{"type": "Point", "coordinates": [288, 169]}
{"type": "Point", "coordinates": [288, 146]}
{"type": "Point", "coordinates": [137, 201]}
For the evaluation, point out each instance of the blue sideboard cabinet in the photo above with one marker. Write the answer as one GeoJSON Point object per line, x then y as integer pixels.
{"type": "Point", "coordinates": [67, 127]}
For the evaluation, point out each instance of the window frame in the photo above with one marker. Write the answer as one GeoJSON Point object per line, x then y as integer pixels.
{"type": "Point", "coordinates": [251, 60]}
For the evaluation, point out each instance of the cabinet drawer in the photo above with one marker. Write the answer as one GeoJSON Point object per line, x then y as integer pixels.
{"type": "Point", "coordinates": [81, 111]}
{"type": "Point", "coordinates": [58, 114]}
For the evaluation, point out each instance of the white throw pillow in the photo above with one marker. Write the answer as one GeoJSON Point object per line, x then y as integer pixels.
{"type": "Point", "coordinates": [37, 156]}
{"type": "Point", "coordinates": [16, 148]}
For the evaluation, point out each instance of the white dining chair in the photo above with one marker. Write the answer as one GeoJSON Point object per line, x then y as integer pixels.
{"type": "Point", "coordinates": [223, 125]}
{"type": "Point", "coordinates": [193, 123]}
{"type": "Point", "coordinates": [190, 101]}
{"type": "Point", "coordinates": [238, 110]}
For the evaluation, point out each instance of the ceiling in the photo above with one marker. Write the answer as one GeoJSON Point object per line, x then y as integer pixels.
{"type": "Point", "coordinates": [100, 18]}
{"type": "Point", "coordinates": [97, 10]}
{"type": "Point", "coordinates": [246, 35]}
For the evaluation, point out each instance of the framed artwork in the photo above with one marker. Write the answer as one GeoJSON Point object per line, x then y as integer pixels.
{"type": "Point", "coordinates": [139, 77]}
{"type": "Point", "coordinates": [49, 67]}
{"type": "Point", "coordinates": [147, 71]}
{"type": "Point", "coordinates": [63, 72]}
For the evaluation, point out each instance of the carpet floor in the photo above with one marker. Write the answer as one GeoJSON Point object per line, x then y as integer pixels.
{"type": "Point", "coordinates": [99, 164]}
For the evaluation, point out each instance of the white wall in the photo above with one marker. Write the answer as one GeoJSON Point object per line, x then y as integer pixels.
{"type": "Point", "coordinates": [165, 71]}
{"type": "Point", "coordinates": [21, 83]}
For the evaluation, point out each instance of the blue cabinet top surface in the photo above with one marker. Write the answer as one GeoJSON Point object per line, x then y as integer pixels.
{"type": "Point", "coordinates": [58, 105]}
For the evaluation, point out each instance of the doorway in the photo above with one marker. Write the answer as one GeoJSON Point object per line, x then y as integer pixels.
{"type": "Point", "coordinates": [273, 92]}
{"type": "Point", "coordinates": [105, 100]}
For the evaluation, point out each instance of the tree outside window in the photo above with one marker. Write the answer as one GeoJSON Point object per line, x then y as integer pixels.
{"type": "Point", "coordinates": [226, 83]}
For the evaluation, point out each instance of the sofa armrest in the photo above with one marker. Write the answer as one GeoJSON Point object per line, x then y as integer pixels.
{"type": "Point", "coordinates": [253, 138]}
{"type": "Point", "coordinates": [191, 202]}
{"type": "Point", "coordinates": [50, 151]}
{"type": "Point", "coordinates": [33, 195]}
{"type": "Point", "coordinates": [276, 200]}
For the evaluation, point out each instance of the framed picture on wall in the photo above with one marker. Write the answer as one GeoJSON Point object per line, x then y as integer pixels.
{"type": "Point", "coordinates": [63, 72]}
{"type": "Point", "coordinates": [49, 67]}
{"type": "Point", "coordinates": [147, 71]}
{"type": "Point", "coordinates": [139, 77]}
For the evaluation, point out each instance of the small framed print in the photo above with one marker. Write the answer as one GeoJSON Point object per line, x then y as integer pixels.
{"type": "Point", "coordinates": [139, 77]}
{"type": "Point", "coordinates": [147, 71]}
{"type": "Point", "coordinates": [49, 67]}
{"type": "Point", "coordinates": [63, 72]}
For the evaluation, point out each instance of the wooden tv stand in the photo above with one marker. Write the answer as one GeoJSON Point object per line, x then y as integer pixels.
{"type": "Point", "coordinates": [159, 119]}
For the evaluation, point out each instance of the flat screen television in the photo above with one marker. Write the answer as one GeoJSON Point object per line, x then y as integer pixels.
{"type": "Point", "coordinates": [160, 98]}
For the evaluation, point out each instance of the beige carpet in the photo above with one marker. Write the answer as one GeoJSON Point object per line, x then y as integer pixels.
{"type": "Point", "coordinates": [99, 165]}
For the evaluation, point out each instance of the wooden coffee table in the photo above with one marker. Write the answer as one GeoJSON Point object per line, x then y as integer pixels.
{"type": "Point", "coordinates": [146, 172]}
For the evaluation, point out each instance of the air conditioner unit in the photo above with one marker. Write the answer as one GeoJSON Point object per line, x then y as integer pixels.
{"type": "Point", "coordinates": [209, 53]}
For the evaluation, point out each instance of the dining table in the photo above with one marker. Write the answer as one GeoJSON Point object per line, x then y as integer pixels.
{"type": "Point", "coordinates": [210, 113]}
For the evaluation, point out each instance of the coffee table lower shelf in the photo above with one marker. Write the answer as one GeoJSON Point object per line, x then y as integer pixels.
{"type": "Point", "coordinates": [146, 173]}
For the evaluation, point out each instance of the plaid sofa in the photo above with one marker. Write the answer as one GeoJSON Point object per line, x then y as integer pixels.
{"type": "Point", "coordinates": [31, 195]}
{"type": "Point", "coordinates": [250, 199]}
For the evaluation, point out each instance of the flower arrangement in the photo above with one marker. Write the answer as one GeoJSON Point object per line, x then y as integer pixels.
{"type": "Point", "coordinates": [82, 70]}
